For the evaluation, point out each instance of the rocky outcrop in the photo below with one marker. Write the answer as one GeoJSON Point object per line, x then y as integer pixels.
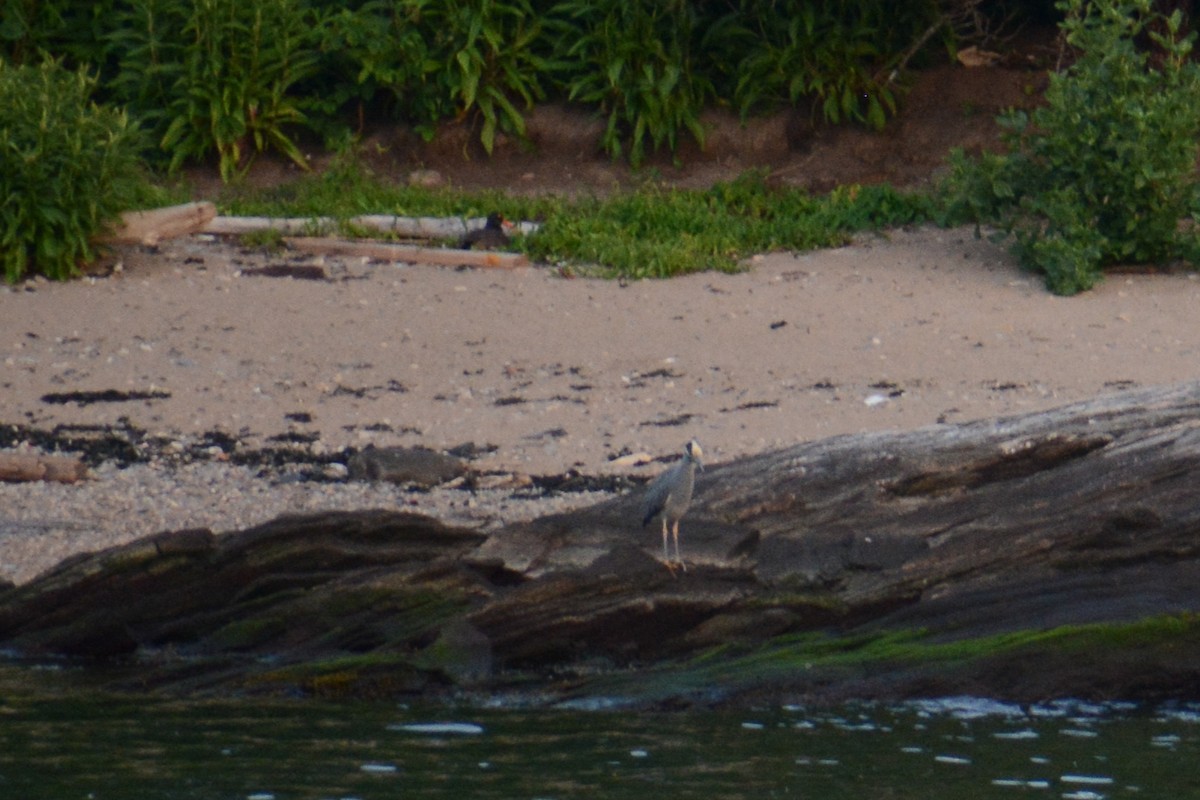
{"type": "Point", "coordinates": [1056, 553]}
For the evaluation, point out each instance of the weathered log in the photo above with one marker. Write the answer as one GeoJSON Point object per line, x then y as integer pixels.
{"type": "Point", "coordinates": [406, 227]}
{"type": "Point", "coordinates": [151, 227]}
{"type": "Point", "coordinates": [1054, 553]}
{"type": "Point", "coordinates": [19, 467]}
{"type": "Point", "coordinates": [239, 226]}
{"type": "Point", "coordinates": [387, 251]}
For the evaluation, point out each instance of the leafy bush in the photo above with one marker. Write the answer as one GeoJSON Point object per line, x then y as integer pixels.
{"type": "Point", "coordinates": [67, 168]}
{"type": "Point", "coordinates": [634, 61]}
{"type": "Point", "coordinates": [839, 52]}
{"type": "Point", "coordinates": [377, 55]}
{"type": "Point", "coordinates": [486, 57]}
{"type": "Point", "coordinates": [70, 30]}
{"type": "Point", "coordinates": [1104, 172]}
{"type": "Point", "coordinates": [215, 75]}
{"type": "Point", "coordinates": [425, 62]}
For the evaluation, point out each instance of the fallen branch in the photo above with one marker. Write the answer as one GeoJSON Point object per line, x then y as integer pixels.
{"type": "Point", "coordinates": [239, 226]}
{"type": "Point", "coordinates": [24, 467]}
{"type": "Point", "coordinates": [386, 251]}
{"type": "Point", "coordinates": [407, 227]}
{"type": "Point", "coordinates": [151, 227]}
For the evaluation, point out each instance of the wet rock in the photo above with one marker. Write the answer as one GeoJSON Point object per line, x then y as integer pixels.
{"type": "Point", "coordinates": [1055, 552]}
{"type": "Point", "coordinates": [462, 652]}
{"type": "Point", "coordinates": [262, 588]}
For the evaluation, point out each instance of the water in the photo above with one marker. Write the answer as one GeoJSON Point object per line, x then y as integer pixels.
{"type": "Point", "coordinates": [104, 747]}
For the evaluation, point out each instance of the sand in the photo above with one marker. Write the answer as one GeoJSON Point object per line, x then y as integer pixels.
{"type": "Point", "coordinates": [909, 329]}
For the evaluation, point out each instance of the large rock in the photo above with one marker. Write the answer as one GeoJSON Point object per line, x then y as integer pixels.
{"type": "Point", "coordinates": [1055, 553]}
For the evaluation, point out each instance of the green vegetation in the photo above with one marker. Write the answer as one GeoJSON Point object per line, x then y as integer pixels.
{"type": "Point", "coordinates": [232, 78]}
{"type": "Point", "coordinates": [822, 656]}
{"type": "Point", "coordinates": [899, 648]}
{"type": "Point", "coordinates": [837, 53]}
{"type": "Point", "coordinates": [635, 61]}
{"type": "Point", "coordinates": [68, 167]}
{"type": "Point", "coordinates": [215, 75]}
{"type": "Point", "coordinates": [1104, 172]}
{"type": "Point", "coordinates": [1101, 175]}
{"type": "Point", "coordinates": [651, 232]}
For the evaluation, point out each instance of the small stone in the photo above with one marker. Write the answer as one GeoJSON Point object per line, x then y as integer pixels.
{"type": "Point", "coordinates": [404, 465]}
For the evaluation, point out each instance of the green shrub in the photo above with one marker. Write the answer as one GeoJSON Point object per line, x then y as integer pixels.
{"type": "Point", "coordinates": [148, 37]}
{"type": "Point", "coordinates": [67, 168]}
{"type": "Point", "coordinates": [377, 55]}
{"type": "Point", "coordinates": [486, 57]}
{"type": "Point", "coordinates": [69, 30]}
{"type": "Point", "coordinates": [1104, 172]}
{"type": "Point", "coordinates": [840, 53]}
{"type": "Point", "coordinates": [233, 78]}
{"type": "Point", "coordinates": [633, 59]}
{"type": "Point", "coordinates": [216, 75]}
{"type": "Point", "coordinates": [425, 62]}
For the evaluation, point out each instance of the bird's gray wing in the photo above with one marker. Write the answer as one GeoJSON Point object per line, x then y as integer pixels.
{"type": "Point", "coordinates": [656, 496]}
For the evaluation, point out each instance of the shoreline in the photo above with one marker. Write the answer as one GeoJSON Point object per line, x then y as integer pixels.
{"type": "Point", "coordinates": [547, 376]}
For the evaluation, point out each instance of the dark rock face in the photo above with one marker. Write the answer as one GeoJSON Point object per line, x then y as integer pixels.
{"type": "Point", "coordinates": [1057, 553]}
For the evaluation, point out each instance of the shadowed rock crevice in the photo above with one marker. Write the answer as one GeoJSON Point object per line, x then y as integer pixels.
{"type": "Point", "coordinates": [1013, 557]}
{"type": "Point", "coordinates": [1025, 459]}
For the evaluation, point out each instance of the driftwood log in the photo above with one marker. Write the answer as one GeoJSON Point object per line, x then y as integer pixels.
{"type": "Point", "coordinates": [1043, 555]}
{"type": "Point", "coordinates": [152, 226]}
{"type": "Point", "coordinates": [406, 227]}
{"type": "Point", "coordinates": [412, 254]}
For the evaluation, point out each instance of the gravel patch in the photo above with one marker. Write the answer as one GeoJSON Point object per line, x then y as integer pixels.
{"type": "Point", "coordinates": [43, 523]}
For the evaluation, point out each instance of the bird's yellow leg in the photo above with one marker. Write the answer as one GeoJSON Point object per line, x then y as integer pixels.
{"type": "Point", "coordinates": [666, 553]}
{"type": "Point", "coordinates": [678, 557]}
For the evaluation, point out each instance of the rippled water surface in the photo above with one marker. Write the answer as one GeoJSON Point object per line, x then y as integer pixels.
{"type": "Point", "coordinates": [956, 748]}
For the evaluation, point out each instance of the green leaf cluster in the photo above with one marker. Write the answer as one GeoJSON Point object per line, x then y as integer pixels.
{"type": "Point", "coordinates": [839, 53]}
{"type": "Point", "coordinates": [635, 62]}
{"type": "Point", "coordinates": [1102, 174]}
{"type": "Point", "coordinates": [68, 167]}
{"type": "Point", "coordinates": [216, 75]}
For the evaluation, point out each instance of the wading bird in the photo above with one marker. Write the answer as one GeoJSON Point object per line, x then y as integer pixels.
{"type": "Point", "coordinates": [669, 497]}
